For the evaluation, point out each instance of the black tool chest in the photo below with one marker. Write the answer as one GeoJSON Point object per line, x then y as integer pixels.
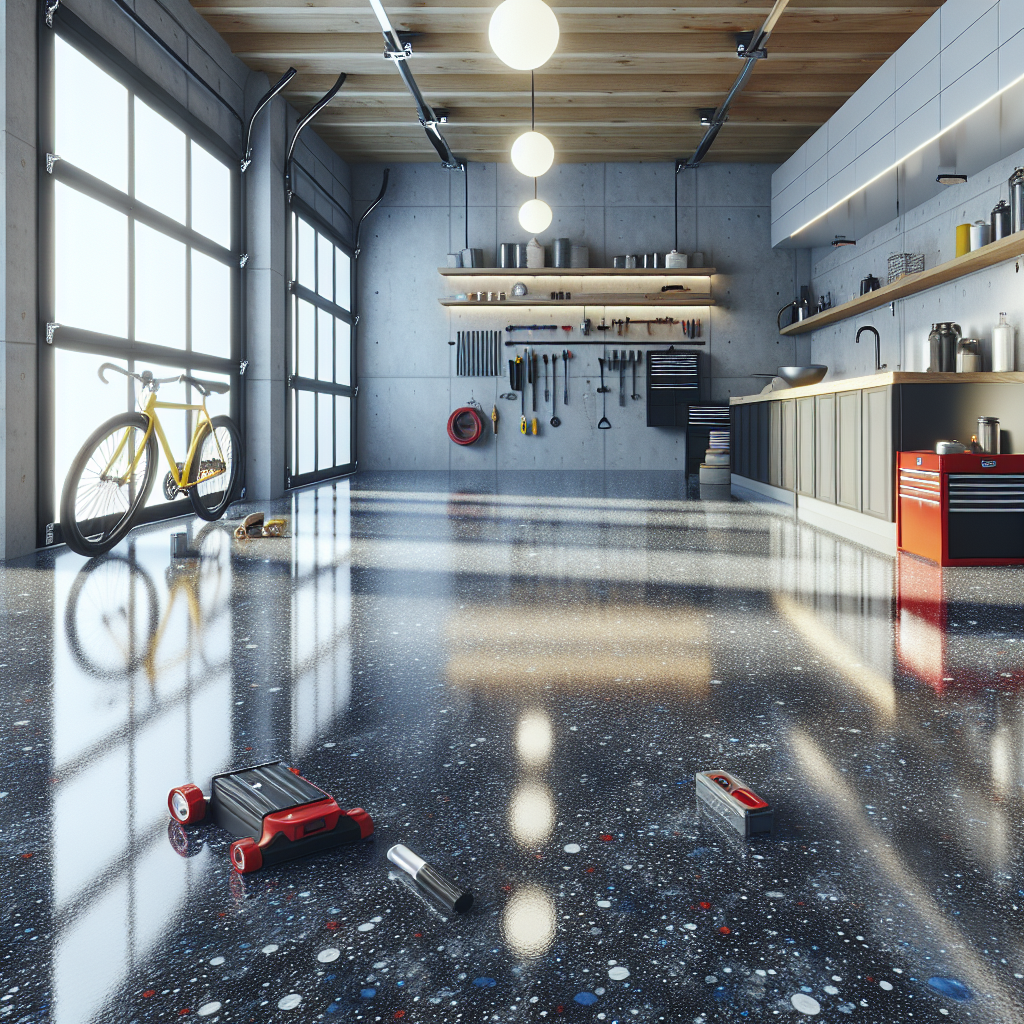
{"type": "Point", "coordinates": [673, 385]}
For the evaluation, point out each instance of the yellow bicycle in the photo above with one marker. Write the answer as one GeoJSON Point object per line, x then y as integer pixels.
{"type": "Point", "coordinates": [113, 474]}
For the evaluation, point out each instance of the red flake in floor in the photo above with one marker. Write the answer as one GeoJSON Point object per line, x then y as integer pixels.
{"type": "Point", "coordinates": [725, 930]}
{"type": "Point", "coordinates": [331, 925]}
{"type": "Point", "coordinates": [705, 906]}
{"type": "Point", "coordinates": [399, 1015]}
{"type": "Point", "coordinates": [607, 838]}
{"type": "Point", "coordinates": [149, 993]}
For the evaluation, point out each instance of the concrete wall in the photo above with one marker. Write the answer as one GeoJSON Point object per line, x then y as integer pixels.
{"type": "Point", "coordinates": [961, 56]}
{"type": "Point", "coordinates": [18, 163]}
{"type": "Point", "coordinates": [407, 386]}
{"type": "Point", "coordinates": [179, 25]}
{"type": "Point", "coordinates": [974, 301]}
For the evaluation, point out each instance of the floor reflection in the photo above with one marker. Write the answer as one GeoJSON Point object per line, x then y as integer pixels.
{"type": "Point", "coordinates": [517, 676]}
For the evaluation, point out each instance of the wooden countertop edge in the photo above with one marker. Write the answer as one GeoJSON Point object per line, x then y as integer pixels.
{"type": "Point", "coordinates": [878, 380]}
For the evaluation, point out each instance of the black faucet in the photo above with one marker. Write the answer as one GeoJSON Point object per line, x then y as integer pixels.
{"type": "Point", "coordinates": [879, 365]}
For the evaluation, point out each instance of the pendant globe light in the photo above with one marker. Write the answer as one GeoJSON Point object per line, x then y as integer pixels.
{"type": "Point", "coordinates": [532, 152]}
{"type": "Point", "coordinates": [535, 215]}
{"type": "Point", "coordinates": [523, 33]}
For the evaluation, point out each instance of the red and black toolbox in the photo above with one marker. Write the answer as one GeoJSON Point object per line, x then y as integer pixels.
{"type": "Point", "coordinates": [279, 814]}
{"type": "Point", "coordinates": [961, 509]}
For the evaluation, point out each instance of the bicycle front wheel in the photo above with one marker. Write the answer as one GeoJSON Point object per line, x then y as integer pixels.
{"type": "Point", "coordinates": [215, 468]}
{"type": "Point", "coordinates": [108, 483]}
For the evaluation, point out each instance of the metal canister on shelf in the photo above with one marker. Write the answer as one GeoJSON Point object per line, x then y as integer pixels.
{"type": "Point", "coordinates": [561, 252]}
{"type": "Point", "coordinates": [580, 256]}
{"type": "Point", "coordinates": [988, 434]}
{"type": "Point", "coordinates": [963, 239]}
{"type": "Point", "coordinates": [1016, 184]}
{"type": "Point", "coordinates": [520, 254]}
{"type": "Point", "coordinates": [507, 254]}
{"type": "Point", "coordinates": [675, 260]}
{"type": "Point", "coordinates": [1000, 220]}
{"type": "Point", "coordinates": [619, 262]}
{"type": "Point", "coordinates": [981, 235]}
{"type": "Point", "coordinates": [968, 355]}
{"type": "Point", "coordinates": [630, 262]}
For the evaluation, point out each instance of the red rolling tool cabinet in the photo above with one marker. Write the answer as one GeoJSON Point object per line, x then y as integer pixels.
{"type": "Point", "coordinates": [961, 509]}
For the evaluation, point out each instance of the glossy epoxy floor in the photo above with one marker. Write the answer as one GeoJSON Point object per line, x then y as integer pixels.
{"type": "Point", "coordinates": [518, 677]}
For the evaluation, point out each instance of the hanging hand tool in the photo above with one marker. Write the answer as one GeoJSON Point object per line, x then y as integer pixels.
{"type": "Point", "coordinates": [531, 327]}
{"type": "Point", "coordinates": [639, 360]}
{"type": "Point", "coordinates": [566, 356]}
{"type": "Point", "coordinates": [602, 326]}
{"type": "Point", "coordinates": [602, 423]}
{"type": "Point", "coordinates": [567, 328]}
{"type": "Point", "coordinates": [520, 386]}
{"type": "Point", "coordinates": [622, 380]}
{"type": "Point", "coordinates": [585, 327]}
{"type": "Point", "coordinates": [533, 426]}
{"type": "Point", "coordinates": [494, 417]}
{"type": "Point", "coordinates": [533, 377]}
{"type": "Point", "coordinates": [547, 392]}
{"type": "Point", "coordinates": [555, 421]}
{"type": "Point", "coordinates": [633, 358]}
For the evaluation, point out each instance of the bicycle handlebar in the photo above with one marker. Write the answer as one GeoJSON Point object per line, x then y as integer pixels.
{"type": "Point", "coordinates": [146, 378]}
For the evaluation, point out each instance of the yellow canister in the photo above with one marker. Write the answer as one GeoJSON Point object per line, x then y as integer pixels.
{"type": "Point", "coordinates": [963, 239]}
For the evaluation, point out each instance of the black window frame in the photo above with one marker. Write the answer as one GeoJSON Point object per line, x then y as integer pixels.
{"type": "Point", "coordinates": [50, 171]}
{"type": "Point", "coordinates": [293, 381]}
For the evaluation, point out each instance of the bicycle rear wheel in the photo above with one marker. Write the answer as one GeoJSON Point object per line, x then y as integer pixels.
{"type": "Point", "coordinates": [102, 493]}
{"type": "Point", "coordinates": [216, 466]}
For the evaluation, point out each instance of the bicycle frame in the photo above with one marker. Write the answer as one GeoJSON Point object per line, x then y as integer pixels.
{"type": "Point", "coordinates": [149, 410]}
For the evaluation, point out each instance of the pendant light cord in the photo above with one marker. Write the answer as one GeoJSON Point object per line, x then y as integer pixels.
{"type": "Point", "coordinates": [533, 121]}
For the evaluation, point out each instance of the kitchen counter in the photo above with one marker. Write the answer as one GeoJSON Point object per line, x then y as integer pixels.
{"type": "Point", "coordinates": [829, 450]}
{"type": "Point", "coordinates": [830, 387]}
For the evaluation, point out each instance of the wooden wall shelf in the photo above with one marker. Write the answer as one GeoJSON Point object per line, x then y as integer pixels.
{"type": "Point", "coordinates": [612, 300]}
{"type": "Point", "coordinates": [573, 272]}
{"type": "Point", "coordinates": [988, 256]}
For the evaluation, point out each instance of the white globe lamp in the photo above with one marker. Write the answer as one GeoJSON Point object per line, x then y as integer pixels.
{"type": "Point", "coordinates": [523, 33]}
{"type": "Point", "coordinates": [535, 215]}
{"type": "Point", "coordinates": [532, 154]}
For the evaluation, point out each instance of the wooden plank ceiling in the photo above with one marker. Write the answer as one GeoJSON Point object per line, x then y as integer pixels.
{"type": "Point", "coordinates": [625, 83]}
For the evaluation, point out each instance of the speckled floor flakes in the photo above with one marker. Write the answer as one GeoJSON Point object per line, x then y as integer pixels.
{"type": "Point", "coordinates": [517, 676]}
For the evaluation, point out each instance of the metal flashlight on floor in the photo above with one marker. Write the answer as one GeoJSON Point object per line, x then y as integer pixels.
{"type": "Point", "coordinates": [445, 892]}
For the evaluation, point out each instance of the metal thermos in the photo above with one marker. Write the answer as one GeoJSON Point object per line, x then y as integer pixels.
{"type": "Point", "coordinates": [1000, 220]}
{"type": "Point", "coordinates": [507, 254]}
{"type": "Point", "coordinates": [1016, 184]}
{"type": "Point", "coordinates": [988, 434]}
{"type": "Point", "coordinates": [942, 347]}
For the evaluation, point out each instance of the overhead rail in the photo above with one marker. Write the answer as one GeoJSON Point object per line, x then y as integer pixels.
{"type": "Point", "coordinates": [399, 50]}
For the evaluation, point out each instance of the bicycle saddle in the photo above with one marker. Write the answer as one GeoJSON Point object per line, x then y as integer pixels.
{"type": "Point", "coordinates": [204, 387]}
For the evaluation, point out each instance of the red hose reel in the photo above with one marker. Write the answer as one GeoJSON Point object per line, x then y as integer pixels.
{"type": "Point", "coordinates": [465, 425]}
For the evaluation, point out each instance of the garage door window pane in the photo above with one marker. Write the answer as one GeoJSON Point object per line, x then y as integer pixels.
{"type": "Point", "coordinates": [306, 430]}
{"type": "Point", "coordinates": [324, 345]}
{"type": "Point", "coordinates": [343, 430]}
{"type": "Point", "coordinates": [325, 432]}
{"type": "Point", "coordinates": [325, 268]}
{"type": "Point", "coordinates": [211, 197]}
{"type": "Point", "coordinates": [342, 279]}
{"type": "Point", "coordinates": [91, 117]}
{"type": "Point", "coordinates": [159, 288]}
{"type": "Point", "coordinates": [305, 364]}
{"type": "Point", "coordinates": [211, 306]}
{"type": "Point", "coordinates": [343, 352]}
{"type": "Point", "coordinates": [91, 264]}
{"type": "Point", "coordinates": [306, 256]}
{"type": "Point", "coordinates": [159, 162]}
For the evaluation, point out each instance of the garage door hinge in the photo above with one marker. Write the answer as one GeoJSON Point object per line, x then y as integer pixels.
{"type": "Point", "coordinates": [51, 159]}
{"type": "Point", "coordinates": [51, 10]}
{"type": "Point", "coordinates": [242, 260]}
{"type": "Point", "coordinates": [242, 367]}
{"type": "Point", "coordinates": [48, 539]}
{"type": "Point", "coordinates": [51, 330]}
